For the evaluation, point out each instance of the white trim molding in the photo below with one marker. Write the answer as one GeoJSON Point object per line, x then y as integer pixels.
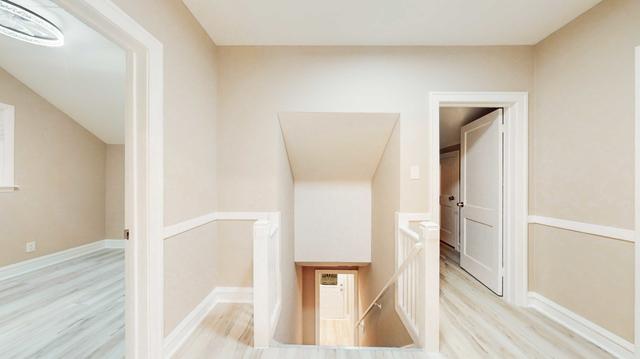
{"type": "Point", "coordinates": [637, 200]}
{"type": "Point", "coordinates": [188, 325]}
{"type": "Point", "coordinates": [588, 228]}
{"type": "Point", "coordinates": [592, 332]}
{"type": "Point", "coordinates": [516, 163]}
{"type": "Point", "coordinates": [144, 171]}
{"type": "Point", "coordinates": [7, 126]}
{"type": "Point", "coordinates": [31, 265]}
{"type": "Point", "coordinates": [185, 226]}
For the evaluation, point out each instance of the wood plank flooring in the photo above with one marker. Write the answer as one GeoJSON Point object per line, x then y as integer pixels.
{"type": "Point", "coordinates": [336, 332]}
{"type": "Point", "coordinates": [74, 309]}
{"type": "Point", "coordinates": [228, 333]}
{"type": "Point", "coordinates": [474, 324]}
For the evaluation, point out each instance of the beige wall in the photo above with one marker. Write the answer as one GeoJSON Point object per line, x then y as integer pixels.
{"type": "Point", "coordinates": [60, 168]}
{"type": "Point", "coordinates": [333, 221]}
{"type": "Point", "coordinates": [190, 83]}
{"type": "Point", "coordinates": [383, 327]}
{"type": "Point", "coordinates": [252, 169]}
{"type": "Point", "coordinates": [582, 163]}
{"type": "Point", "coordinates": [114, 192]}
{"type": "Point", "coordinates": [343, 79]}
{"type": "Point", "coordinates": [289, 328]}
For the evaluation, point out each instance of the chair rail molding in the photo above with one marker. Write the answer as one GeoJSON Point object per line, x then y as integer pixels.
{"type": "Point", "coordinates": [187, 225]}
{"type": "Point", "coordinates": [588, 228]}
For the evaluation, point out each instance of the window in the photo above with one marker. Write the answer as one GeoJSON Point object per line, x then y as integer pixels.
{"type": "Point", "coordinates": [7, 114]}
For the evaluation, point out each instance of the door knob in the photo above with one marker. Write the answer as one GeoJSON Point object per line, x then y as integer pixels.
{"type": "Point", "coordinates": [460, 204]}
{"type": "Point", "coordinates": [451, 198]}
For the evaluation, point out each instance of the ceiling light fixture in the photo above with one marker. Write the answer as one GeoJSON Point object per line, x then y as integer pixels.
{"type": "Point", "coordinates": [25, 25]}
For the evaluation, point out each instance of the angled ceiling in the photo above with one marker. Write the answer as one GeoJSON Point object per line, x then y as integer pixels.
{"type": "Point", "coordinates": [384, 22]}
{"type": "Point", "coordinates": [335, 146]}
{"type": "Point", "coordinates": [453, 118]}
{"type": "Point", "coordinates": [85, 78]}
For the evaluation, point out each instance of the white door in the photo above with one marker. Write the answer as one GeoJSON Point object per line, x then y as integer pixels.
{"type": "Point", "coordinates": [449, 196]}
{"type": "Point", "coordinates": [481, 200]}
{"type": "Point", "coordinates": [333, 300]}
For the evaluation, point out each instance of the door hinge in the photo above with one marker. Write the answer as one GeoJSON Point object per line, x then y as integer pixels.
{"type": "Point", "coordinates": [126, 234]}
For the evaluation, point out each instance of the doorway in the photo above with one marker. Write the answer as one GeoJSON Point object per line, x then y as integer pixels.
{"type": "Point", "coordinates": [471, 213]}
{"type": "Point", "coordinates": [497, 245]}
{"type": "Point", "coordinates": [336, 307]}
{"type": "Point", "coordinates": [144, 174]}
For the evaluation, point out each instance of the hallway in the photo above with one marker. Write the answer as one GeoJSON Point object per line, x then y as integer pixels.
{"type": "Point", "coordinates": [474, 324]}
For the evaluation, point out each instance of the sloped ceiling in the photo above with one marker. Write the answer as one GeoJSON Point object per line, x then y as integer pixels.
{"type": "Point", "coordinates": [384, 22]}
{"type": "Point", "coordinates": [85, 78]}
{"type": "Point", "coordinates": [335, 146]}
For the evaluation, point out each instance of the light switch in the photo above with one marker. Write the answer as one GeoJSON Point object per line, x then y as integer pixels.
{"type": "Point", "coordinates": [415, 172]}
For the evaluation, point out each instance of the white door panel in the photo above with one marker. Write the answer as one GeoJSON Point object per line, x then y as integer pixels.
{"type": "Point", "coordinates": [449, 195]}
{"type": "Point", "coordinates": [333, 300]}
{"type": "Point", "coordinates": [481, 193]}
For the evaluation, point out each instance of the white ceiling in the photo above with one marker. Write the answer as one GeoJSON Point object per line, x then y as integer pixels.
{"type": "Point", "coordinates": [384, 22]}
{"type": "Point", "coordinates": [453, 118]}
{"type": "Point", "coordinates": [85, 78]}
{"type": "Point", "coordinates": [335, 146]}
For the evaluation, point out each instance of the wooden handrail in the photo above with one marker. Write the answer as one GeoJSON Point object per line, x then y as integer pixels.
{"type": "Point", "coordinates": [412, 255]}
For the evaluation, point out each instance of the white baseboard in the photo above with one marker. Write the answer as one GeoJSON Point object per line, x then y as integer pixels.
{"type": "Point", "coordinates": [19, 268]}
{"type": "Point", "coordinates": [594, 333]}
{"type": "Point", "coordinates": [115, 243]}
{"type": "Point", "coordinates": [234, 294]}
{"type": "Point", "coordinates": [188, 325]}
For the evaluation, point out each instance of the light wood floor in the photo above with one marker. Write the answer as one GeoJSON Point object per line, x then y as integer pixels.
{"type": "Point", "coordinates": [336, 332]}
{"type": "Point", "coordinates": [474, 324]}
{"type": "Point", "coordinates": [74, 309]}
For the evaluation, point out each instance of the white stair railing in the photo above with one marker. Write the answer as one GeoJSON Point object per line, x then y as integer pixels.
{"type": "Point", "coordinates": [416, 279]}
{"type": "Point", "coordinates": [267, 284]}
{"type": "Point", "coordinates": [418, 287]}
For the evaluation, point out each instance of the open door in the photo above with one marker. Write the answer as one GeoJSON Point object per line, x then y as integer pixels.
{"type": "Point", "coordinates": [449, 196]}
{"type": "Point", "coordinates": [481, 199]}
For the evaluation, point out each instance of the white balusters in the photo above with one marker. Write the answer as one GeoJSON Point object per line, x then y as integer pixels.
{"type": "Point", "coordinates": [266, 280]}
{"type": "Point", "coordinates": [418, 286]}
{"type": "Point", "coordinates": [430, 335]}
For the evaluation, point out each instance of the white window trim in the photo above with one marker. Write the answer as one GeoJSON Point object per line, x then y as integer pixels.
{"type": "Point", "coordinates": [7, 117]}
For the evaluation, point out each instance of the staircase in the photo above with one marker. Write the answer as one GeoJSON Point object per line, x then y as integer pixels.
{"type": "Point", "coordinates": [415, 282]}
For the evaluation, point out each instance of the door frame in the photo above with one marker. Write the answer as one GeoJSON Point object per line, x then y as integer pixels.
{"type": "Point", "coordinates": [637, 199]}
{"type": "Point", "coordinates": [457, 154]}
{"type": "Point", "coordinates": [144, 174]}
{"type": "Point", "coordinates": [516, 163]}
{"type": "Point", "coordinates": [318, 273]}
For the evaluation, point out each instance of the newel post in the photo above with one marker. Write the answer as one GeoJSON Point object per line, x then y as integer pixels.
{"type": "Point", "coordinates": [430, 336]}
{"type": "Point", "coordinates": [261, 320]}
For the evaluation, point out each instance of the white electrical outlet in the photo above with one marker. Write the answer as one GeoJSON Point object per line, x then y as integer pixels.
{"type": "Point", "coordinates": [30, 247]}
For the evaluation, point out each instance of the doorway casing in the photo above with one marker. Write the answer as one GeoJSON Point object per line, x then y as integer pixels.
{"type": "Point", "coordinates": [144, 311]}
{"type": "Point", "coordinates": [637, 201]}
{"type": "Point", "coordinates": [516, 192]}
{"type": "Point", "coordinates": [316, 286]}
